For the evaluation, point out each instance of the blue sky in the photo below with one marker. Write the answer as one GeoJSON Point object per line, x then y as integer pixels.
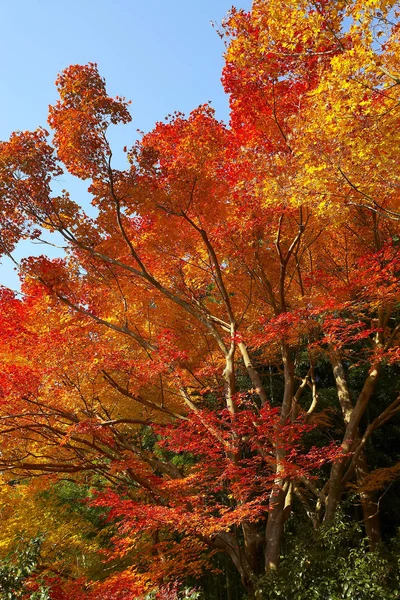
{"type": "Point", "coordinates": [164, 55]}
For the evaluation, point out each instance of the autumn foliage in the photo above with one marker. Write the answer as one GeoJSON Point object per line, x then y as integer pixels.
{"type": "Point", "coordinates": [173, 364]}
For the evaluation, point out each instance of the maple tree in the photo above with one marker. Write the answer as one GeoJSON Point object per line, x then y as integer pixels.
{"type": "Point", "coordinates": [172, 360]}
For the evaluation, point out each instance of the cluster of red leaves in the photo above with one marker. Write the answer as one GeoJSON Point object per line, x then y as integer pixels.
{"type": "Point", "coordinates": [27, 166]}
{"type": "Point", "coordinates": [80, 119]}
{"type": "Point", "coordinates": [227, 471]}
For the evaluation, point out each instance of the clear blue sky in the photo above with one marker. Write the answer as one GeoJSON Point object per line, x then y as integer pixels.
{"type": "Point", "coordinates": [164, 55]}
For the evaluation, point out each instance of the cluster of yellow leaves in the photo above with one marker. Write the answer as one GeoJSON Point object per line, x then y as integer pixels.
{"type": "Point", "coordinates": [29, 510]}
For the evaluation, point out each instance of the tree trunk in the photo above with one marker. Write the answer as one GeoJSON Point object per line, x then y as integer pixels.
{"type": "Point", "coordinates": [370, 506]}
{"type": "Point", "coordinates": [276, 514]}
{"type": "Point", "coordinates": [230, 382]}
{"type": "Point", "coordinates": [229, 543]}
{"type": "Point", "coordinates": [274, 529]}
{"type": "Point", "coordinates": [253, 542]}
{"type": "Point", "coordinates": [368, 501]}
{"type": "Point", "coordinates": [253, 374]}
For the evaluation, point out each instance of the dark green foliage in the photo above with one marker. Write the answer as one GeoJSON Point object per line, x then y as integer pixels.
{"type": "Point", "coordinates": [18, 568]}
{"type": "Point", "coordinates": [73, 498]}
{"type": "Point", "coordinates": [333, 563]}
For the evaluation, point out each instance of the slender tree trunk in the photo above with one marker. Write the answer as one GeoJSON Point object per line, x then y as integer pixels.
{"type": "Point", "coordinates": [370, 506]}
{"type": "Point", "coordinates": [228, 584]}
{"type": "Point", "coordinates": [335, 486]}
{"type": "Point", "coordinates": [276, 514]}
{"type": "Point", "coordinates": [275, 523]}
{"type": "Point", "coordinates": [253, 542]}
{"type": "Point", "coordinates": [368, 501]}
{"type": "Point", "coordinates": [253, 374]}
{"type": "Point", "coordinates": [229, 543]}
{"type": "Point", "coordinates": [230, 382]}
